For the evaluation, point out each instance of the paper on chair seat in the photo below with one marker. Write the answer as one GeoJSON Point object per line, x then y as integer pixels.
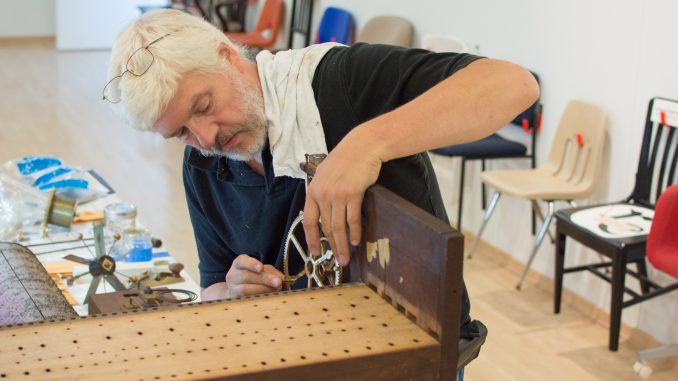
{"type": "Point", "coordinates": [615, 221]}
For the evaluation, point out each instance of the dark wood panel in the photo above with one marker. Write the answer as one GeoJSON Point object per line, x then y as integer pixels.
{"type": "Point", "coordinates": [423, 273]}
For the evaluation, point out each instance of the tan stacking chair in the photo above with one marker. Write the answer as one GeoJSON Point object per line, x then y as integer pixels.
{"type": "Point", "coordinates": [570, 172]}
{"type": "Point", "coordinates": [390, 30]}
{"type": "Point", "coordinates": [440, 43]}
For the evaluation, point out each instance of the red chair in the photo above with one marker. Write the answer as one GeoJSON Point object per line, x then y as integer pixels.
{"type": "Point", "coordinates": [662, 252]}
{"type": "Point", "coordinates": [265, 34]}
{"type": "Point", "coordinates": [662, 243]}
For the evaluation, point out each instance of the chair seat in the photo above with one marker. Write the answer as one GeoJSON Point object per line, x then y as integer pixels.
{"type": "Point", "coordinates": [493, 146]}
{"type": "Point", "coordinates": [615, 221]}
{"type": "Point", "coordinates": [603, 243]}
{"type": "Point", "coordinates": [535, 184]}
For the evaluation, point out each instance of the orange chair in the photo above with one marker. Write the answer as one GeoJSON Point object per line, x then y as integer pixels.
{"type": "Point", "coordinates": [265, 34]}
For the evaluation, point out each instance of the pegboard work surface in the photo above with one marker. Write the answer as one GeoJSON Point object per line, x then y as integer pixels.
{"type": "Point", "coordinates": [275, 335]}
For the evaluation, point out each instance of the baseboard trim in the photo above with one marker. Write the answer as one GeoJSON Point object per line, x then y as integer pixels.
{"type": "Point", "coordinates": [49, 41]}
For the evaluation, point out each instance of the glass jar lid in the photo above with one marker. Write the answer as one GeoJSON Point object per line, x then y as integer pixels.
{"type": "Point", "coordinates": [120, 210]}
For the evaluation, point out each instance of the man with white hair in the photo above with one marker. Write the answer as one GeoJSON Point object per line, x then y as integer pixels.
{"type": "Point", "coordinates": [375, 109]}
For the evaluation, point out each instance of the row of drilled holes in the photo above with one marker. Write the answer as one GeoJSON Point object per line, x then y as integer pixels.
{"type": "Point", "coordinates": [263, 363]}
{"type": "Point", "coordinates": [191, 305]}
{"type": "Point", "coordinates": [21, 348]}
{"type": "Point", "coordinates": [197, 313]}
{"type": "Point", "coordinates": [237, 345]}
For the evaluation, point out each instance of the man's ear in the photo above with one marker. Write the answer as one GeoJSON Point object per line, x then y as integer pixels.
{"type": "Point", "coordinates": [231, 55]}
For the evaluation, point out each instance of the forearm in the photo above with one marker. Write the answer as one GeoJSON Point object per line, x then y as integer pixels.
{"type": "Point", "coordinates": [469, 105]}
{"type": "Point", "coordinates": [214, 292]}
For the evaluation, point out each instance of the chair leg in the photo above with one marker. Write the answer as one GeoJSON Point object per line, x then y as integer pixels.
{"type": "Point", "coordinates": [617, 298]}
{"type": "Point", "coordinates": [486, 217]}
{"type": "Point", "coordinates": [537, 210]}
{"type": "Point", "coordinates": [540, 238]}
{"type": "Point", "coordinates": [482, 185]}
{"type": "Point", "coordinates": [461, 193]}
{"type": "Point", "coordinates": [641, 266]}
{"type": "Point", "coordinates": [560, 267]}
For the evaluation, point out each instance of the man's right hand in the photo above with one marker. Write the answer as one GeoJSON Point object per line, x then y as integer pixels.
{"type": "Point", "coordinates": [248, 276]}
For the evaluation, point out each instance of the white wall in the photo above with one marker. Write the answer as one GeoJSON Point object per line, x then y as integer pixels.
{"type": "Point", "coordinates": [26, 18]}
{"type": "Point", "coordinates": [94, 24]}
{"type": "Point", "coordinates": [616, 54]}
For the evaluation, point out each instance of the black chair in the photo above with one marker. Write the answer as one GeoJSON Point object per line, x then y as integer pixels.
{"type": "Point", "coordinates": [300, 21]}
{"type": "Point", "coordinates": [231, 15]}
{"type": "Point", "coordinates": [496, 147]}
{"type": "Point", "coordinates": [622, 236]}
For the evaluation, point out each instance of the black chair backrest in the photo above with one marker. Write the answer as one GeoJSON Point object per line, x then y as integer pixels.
{"type": "Point", "coordinates": [658, 155]}
{"type": "Point", "coordinates": [302, 12]}
{"type": "Point", "coordinates": [231, 15]}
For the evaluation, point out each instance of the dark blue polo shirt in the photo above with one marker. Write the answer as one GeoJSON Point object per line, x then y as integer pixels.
{"type": "Point", "coordinates": [234, 211]}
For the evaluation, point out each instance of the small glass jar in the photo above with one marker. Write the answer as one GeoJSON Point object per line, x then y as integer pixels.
{"type": "Point", "coordinates": [120, 217]}
{"type": "Point", "coordinates": [137, 245]}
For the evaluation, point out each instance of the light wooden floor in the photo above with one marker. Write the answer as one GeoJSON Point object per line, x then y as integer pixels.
{"type": "Point", "coordinates": [50, 104]}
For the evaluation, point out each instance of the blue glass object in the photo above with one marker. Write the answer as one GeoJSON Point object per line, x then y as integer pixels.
{"type": "Point", "coordinates": [141, 250]}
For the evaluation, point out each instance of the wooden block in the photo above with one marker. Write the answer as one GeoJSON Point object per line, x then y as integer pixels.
{"type": "Point", "coordinates": [123, 301]}
{"type": "Point", "coordinates": [421, 272]}
{"type": "Point", "coordinates": [59, 267]}
{"type": "Point", "coordinates": [345, 332]}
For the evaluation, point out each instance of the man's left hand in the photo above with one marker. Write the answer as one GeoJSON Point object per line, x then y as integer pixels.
{"type": "Point", "coordinates": [334, 197]}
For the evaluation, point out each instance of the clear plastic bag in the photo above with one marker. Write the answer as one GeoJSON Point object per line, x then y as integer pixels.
{"type": "Point", "coordinates": [20, 206]}
{"type": "Point", "coordinates": [47, 172]}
